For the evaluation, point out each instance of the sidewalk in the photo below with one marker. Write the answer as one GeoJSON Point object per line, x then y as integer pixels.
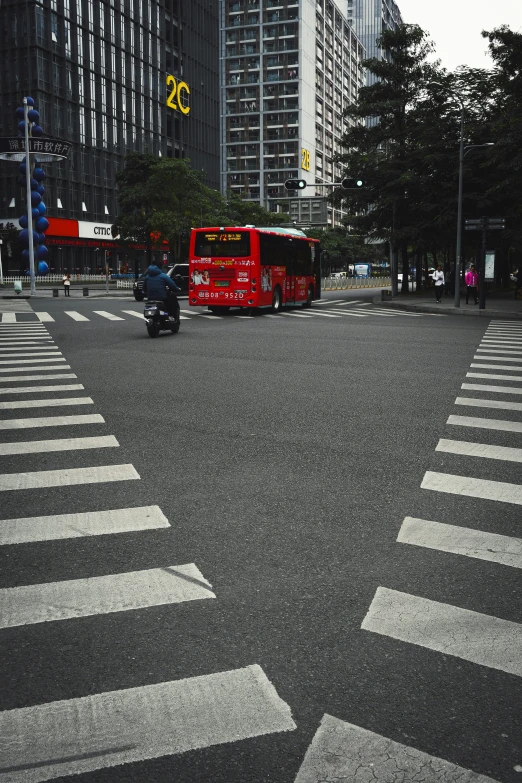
{"type": "Point", "coordinates": [44, 292]}
{"type": "Point", "coordinates": [498, 305]}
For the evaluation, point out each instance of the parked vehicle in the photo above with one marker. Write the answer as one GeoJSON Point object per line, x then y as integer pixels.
{"type": "Point", "coordinates": [180, 271]}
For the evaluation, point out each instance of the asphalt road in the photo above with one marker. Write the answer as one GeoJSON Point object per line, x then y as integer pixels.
{"type": "Point", "coordinates": [285, 453]}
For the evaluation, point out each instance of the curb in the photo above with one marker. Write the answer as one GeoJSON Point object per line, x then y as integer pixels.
{"type": "Point", "coordinates": [419, 308]}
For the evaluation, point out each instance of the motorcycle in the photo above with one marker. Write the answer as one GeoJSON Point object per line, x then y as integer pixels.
{"type": "Point", "coordinates": [158, 320]}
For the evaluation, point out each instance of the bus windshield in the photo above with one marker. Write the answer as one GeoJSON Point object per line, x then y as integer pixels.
{"type": "Point", "coordinates": [222, 244]}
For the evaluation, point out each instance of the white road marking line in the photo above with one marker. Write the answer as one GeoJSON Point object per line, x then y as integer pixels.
{"type": "Point", "coordinates": [53, 421]}
{"type": "Point", "coordinates": [57, 739]}
{"type": "Point", "coordinates": [341, 751]}
{"type": "Point", "coordinates": [497, 367]}
{"type": "Point", "coordinates": [9, 318]}
{"type": "Point", "coordinates": [479, 638]}
{"type": "Point", "coordinates": [462, 541]}
{"type": "Point", "coordinates": [134, 313]}
{"type": "Point", "coordinates": [353, 302]}
{"type": "Point", "coordinates": [297, 315]}
{"type": "Point", "coordinates": [190, 312]}
{"type": "Point", "coordinates": [52, 377]}
{"type": "Point", "coordinates": [53, 601]}
{"type": "Point", "coordinates": [44, 316]}
{"type": "Point", "coordinates": [491, 337]}
{"type": "Point", "coordinates": [475, 402]}
{"type": "Point", "coordinates": [54, 402]}
{"type": "Point", "coordinates": [90, 523]}
{"type": "Point", "coordinates": [19, 329]}
{"type": "Point", "coordinates": [75, 316]}
{"type": "Point", "coordinates": [350, 313]}
{"type": "Point", "coordinates": [109, 316]}
{"type": "Point", "coordinates": [496, 389]}
{"type": "Point", "coordinates": [61, 444]}
{"type": "Point", "coordinates": [482, 358]}
{"type": "Point", "coordinates": [499, 346]}
{"type": "Point", "coordinates": [29, 389]}
{"type": "Point", "coordinates": [473, 487]}
{"type": "Point", "coordinates": [479, 450]}
{"type": "Point", "coordinates": [39, 342]}
{"type": "Point", "coordinates": [324, 315]}
{"type": "Point", "coordinates": [31, 369]}
{"type": "Point", "coordinates": [497, 349]}
{"type": "Point", "coordinates": [23, 351]}
{"type": "Point", "coordinates": [494, 377]}
{"type": "Point", "coordinates": [215, 317]}
{"type": "Point", "coordinates": [184, 318]}
{"type": "Point", "coordinates": [67, 477]}
{"type": "Point", "coordinates": [486, 424]}
{"type": "Point", "coordinates": [14, 361]}
{"type": "Point", "coordinates": [330, 302]}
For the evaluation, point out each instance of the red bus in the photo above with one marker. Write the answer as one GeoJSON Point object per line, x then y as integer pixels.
{"type": "Point", "coordinates": [253, 267]}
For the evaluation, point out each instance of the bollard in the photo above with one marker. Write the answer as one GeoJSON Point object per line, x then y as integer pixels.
{"type": "Point", "coordinates": [55, 292]}
{"type": "Point", "coordinates": [385, 295]}
{"type": "Point", "coordinates": [86, 292]}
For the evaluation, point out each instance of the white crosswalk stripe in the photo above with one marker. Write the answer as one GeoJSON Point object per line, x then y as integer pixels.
{"type": "Point", "coordinates": [109, 316]}
{"type": "Point", "coordinates": [75, 316]}
{"type": "Point", "coordinates": [8, 318]}
{"type": "Point", "coordinates": [52, 402]}
{"type": "Point", "coordinates": [494, 377]}
{"type": "Point", "coordinates": [458, 540]}
{"type": "Point", "coordinates": [32, 369]}
{"type": "Point", "coordinates": [479, 450]}
{"type": "Point", "coordinates": [51, 377]}
{"type": "Point", "coordinates": [28, 350]}
{"type": "Point", "coordinates": [139, 723]}
{"type": "Point", "coordinates": [473, 487]}
{"type": "Point", "coordinates": [67, 477]}
{"type": "Point", "coordinates": [476, 402]}
{"type": "Point", "coordinates": [485, 387]}
{"type": "Point", "coordinates": [498, 349]}
{"type": "Point", "coordinates": [135, 314]}
{"type": "Point", "coordinates": [496, 367]}
{"type": "Point", "coordinates": [90, 523]}
{"type": "Point", "coordinates": [479, 638]}
{"type": "Point", "coordinates": [61, 444]}
{"type": "Point", "coordinates": [13, 361]}
{"type": "Point", "coordinates": [50, 421]}
{"type": "Point", "coordinates": [44, 316]}
{"type": "Point", "coordinates": [53, 601]}
{"type": "Point", "coordinates": [484, 356]}
{"type": "Point", "coordinates": [29, 389]}
{"type": "Point", "coordinates": [486, 424]}
{"type": "Point", "coordinates": [341, 751]}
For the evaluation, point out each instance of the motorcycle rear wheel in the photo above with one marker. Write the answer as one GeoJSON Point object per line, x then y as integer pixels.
{"type": "Point", "coordinates": [153, 329]}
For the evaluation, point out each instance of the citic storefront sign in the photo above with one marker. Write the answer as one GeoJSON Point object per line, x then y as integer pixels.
{"type": "Point", "coordinates": [95, 230]}
{"type": "Point", "coordinates": [81, 229]}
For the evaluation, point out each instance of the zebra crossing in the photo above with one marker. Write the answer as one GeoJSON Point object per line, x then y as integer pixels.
{"type": "Point", "coordinates": [102, 729]}
{"type": "Point", "coordinates": [343, 751]}
{"type": "Point", "coordinates": [354, 309]}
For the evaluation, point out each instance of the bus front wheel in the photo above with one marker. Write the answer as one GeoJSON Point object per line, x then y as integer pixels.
{"type": "Point", "coordinates": [309, 297]}
{"type": "Point", "coordinates": [277, 300]}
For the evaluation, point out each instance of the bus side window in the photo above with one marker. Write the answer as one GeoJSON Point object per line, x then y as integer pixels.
{"type": "Point", "coordinates": [303, 258]}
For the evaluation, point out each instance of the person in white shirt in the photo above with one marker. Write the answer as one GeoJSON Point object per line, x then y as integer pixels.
{"type": "Point", "coordinates": [438, 279]}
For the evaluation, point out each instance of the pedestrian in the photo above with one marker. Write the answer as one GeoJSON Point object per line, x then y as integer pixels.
{"type": "Point", "coordinates": [518, 281]}
{"type": "Point", "coordinates": [471, 279]}
{"type": "Point", "coordinates": [66, 282]}
{"type": "Point", "coordinates": [438, 279]}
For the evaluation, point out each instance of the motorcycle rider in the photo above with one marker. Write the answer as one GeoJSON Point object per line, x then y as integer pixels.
{"type": "Point", "coordinates": [157, 285]}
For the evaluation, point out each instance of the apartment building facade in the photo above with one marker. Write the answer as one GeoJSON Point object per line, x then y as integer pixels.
{"type": "Point", "coordinates": [289, 69]}
{"type": "Point", "coordinates": [370, 18]}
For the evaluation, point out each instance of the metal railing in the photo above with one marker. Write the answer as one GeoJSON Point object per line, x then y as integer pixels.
{"type": "Point", "coordinates": [25, 280]}
{"type": "Point", "coordinates": [345, 283]}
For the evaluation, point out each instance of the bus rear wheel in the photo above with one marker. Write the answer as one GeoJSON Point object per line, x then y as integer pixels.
{"type": "Point", "coordinates": [277, 300]}
{"type": "Point", "coordinates": [309, 297]}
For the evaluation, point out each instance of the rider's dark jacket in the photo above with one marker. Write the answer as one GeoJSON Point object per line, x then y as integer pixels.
{"type": "Point", "coordinates": [156, 284]}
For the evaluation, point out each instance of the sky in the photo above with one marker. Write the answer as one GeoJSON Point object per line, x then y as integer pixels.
{"type": "Point", "coordinates": [455, 26]}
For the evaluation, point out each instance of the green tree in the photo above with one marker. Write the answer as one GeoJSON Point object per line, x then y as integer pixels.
{"type": "Point", "coordinates": [340, 249]}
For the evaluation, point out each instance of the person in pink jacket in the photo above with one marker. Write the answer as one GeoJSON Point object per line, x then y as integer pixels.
{"type": "Point", "coordinates": [471, 279]}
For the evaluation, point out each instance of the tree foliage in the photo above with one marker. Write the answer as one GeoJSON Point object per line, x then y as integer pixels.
{"type": "Point", "coordinates": [162, 199]}
{"type": "Point", "coordinates": [404, 143]}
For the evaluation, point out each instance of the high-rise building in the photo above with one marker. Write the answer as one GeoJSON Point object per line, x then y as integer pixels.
{"type": "Point", "coordinates": [111, 76]}
{"type": "Point", "coordinates": [370, 18]}
{"type": "Point", "coordinates": [289, 68]}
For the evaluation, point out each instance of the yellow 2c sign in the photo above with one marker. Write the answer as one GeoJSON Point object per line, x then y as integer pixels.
{"type": "Point", "coordinates": [305, 159]}
{"type": "Point", "coordinates": [174, 97]}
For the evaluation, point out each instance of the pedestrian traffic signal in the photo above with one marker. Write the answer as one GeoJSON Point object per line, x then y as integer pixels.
{"type": "Point", "coordinates": [295, 184]}
{"type": "Point", "coordinates": [350, 183]}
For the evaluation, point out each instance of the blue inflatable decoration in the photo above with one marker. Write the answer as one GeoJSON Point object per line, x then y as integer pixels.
{"type": "Point", "coordinates": [23, 237]}
{"type": "Point", "coordinates": [40, 189]}
{"type": "Point", "coordinates": [33, 115]}
{"type": "Point", "coordinates": [42, 252]}
{"type": "Point", "coordinates": [23, 222]}
{"type": "Point", "coordinates": [34, 183]}
{"type": "Point", "coordinates": [42, 209]}
{"type": "Point", "coordinates": [43, 268]}
{"type": "Point", "coordinates": [39, 174]}
{"type": "Point", "coordinates": [20, 113]}
{"type": "Point", "coordinates": [37, 131]}
{"type": "Point", "coordinates": [35, 198]}
{"type": "Point", "coordinates": [30, 101]}
{"type": "Point", "coordinates": [21, 126]}
{"type": "Point", "coordinates": [35, 213]}
{"type": "Point", "coordinates": [42, 224]}
{"type": "Point", "coordinates": [42, 239]}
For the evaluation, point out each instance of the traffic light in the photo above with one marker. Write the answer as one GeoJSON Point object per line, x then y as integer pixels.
{"type": "Point", "coordinates": [295, 184]}
{"type": "Point", "coordinates": [351, 183]}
